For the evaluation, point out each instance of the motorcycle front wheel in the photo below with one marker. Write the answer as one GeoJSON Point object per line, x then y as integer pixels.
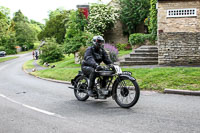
{"type": "Point", "coordinates": [80, 90]}
{"type": "Point", "coordinates": [126, 92]}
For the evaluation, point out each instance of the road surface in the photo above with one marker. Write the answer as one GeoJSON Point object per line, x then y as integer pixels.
{"type": "Point", "coordinates": [32, 105]}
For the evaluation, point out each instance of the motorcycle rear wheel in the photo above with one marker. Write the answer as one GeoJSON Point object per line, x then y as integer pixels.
{"type": "Point", "coordinates": [81, 88]}
{"type": "Point", "coordinates": [126, 92]}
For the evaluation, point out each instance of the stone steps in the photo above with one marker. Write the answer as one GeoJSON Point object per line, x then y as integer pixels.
{"type": "Point", "coordinates": [141, 58]}
{"type": "Point", "coordinates": [144, 55]}
{"type": "Point", "coordinates": [133, 63]}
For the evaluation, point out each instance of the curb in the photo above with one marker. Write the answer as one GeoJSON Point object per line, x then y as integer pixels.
{"type": "Point", "coordinates": [182, 92]}
{"type": "Point", "coordinates": [53, 80]}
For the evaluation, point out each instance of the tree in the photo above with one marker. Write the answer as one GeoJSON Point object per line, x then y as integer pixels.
{"type": "Point", "coordinates": [25, 34]}
{"type": "Point", "coordinates": [37, 23]}
{"type": "Point", "coordinates": [75, 35]}
{"type": "Point", "coordinates": [19, 17]}
{"type": "Point", "coordinates": [101, 18]}
{"type": "Point", "coordinates": [7, 35]}
{"type": "Point", "coordinates": [55, 26]}
{"type": "Point", "coordinates": [133, 13]}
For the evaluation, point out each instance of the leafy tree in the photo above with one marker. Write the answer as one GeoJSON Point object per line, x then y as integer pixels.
{"type": "Point", "coordinates": [25, 34]}
{"type": "Point", "coordinates": [76, 36]}
{"type": "Point", "coordinates": [55, 27]}
{"type": "Point", "coordinates": [51, 52]}
{"type": "Point", "coordinates": [133, 13]}
{"type": "Point", "coordinates": [58, 11]}
{"type": "Point", "coordinates": [37, 23]}
{"type": "Point", "coordinates": [7, 35]}
{"type": "Point", "coordinates": [19, 17]}
{"type": "Point", "coordinates": [5, 12]}
{"type": "Point", "coordinates": [3, 24]}
{"type": "Point", "coordinates": [101, 18]}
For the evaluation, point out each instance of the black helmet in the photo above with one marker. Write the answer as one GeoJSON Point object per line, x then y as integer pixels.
{"type": "Point", "coordinates": [98, 42]}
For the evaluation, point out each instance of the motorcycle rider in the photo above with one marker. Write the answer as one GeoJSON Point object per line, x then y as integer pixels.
{"type": "Point", "coordinates": [94, 55]}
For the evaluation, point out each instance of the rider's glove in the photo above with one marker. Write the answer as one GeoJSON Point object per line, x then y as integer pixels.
{"type": "Point", "coordinates": [111, 66]}
{"type": "Point", "coordinates": [99, 68]}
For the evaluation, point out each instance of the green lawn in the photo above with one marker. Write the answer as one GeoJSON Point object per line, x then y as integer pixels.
{"type": "Point", "coordinates": [187, 78]}
{"type": "Point", "coordinates": [121, 53]}
{"type": "Point", "coordinates": [28, 65]}
{"type": "Point", "coordinates": [7, 58]}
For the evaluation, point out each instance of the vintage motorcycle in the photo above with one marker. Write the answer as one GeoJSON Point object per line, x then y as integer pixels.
{"type": "Point", "coordinates": [120, 85]}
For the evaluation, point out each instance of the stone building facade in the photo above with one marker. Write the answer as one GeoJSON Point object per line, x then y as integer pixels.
{"type": "Point", "coordinates": [179, 32]}
{"type": "Point", "coordinates": [115, 35]}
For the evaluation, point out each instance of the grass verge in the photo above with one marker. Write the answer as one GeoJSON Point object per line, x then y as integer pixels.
{"type": "Point", "coordinates": [121, 53]}
{"type": "Point", "coordinates": [187, 78]}
{"type": "Point", "coordinates": [7, 58]}
{"type": "Point", "coordinates": [28, 65]}
{"type": "Point", "coordinates": [147, 78]}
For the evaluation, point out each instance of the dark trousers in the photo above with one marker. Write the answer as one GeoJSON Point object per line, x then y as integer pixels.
{"type": "Point", "coordinates": [90, 72]}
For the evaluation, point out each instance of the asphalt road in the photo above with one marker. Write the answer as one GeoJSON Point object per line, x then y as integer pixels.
{"type": "Point", "coordinates": [32, 105]}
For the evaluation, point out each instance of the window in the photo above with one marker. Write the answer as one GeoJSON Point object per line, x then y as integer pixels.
{"type": "Point", "coordinates": [190, 12]}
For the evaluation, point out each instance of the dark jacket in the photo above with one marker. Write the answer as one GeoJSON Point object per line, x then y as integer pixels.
{"type": "Point", "coordinates": [93, 58]}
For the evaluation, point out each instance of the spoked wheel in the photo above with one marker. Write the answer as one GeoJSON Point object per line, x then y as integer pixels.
{"type": "Point", "coordinates": [81, 89]}
{"type": "Point", "coordinates": [126, 93]}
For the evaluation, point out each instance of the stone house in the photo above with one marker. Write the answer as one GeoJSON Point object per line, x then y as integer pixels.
{"type": "Point", "coordinates": [179, 32]}
{"type": "Point", "coordinates": [115, 35]}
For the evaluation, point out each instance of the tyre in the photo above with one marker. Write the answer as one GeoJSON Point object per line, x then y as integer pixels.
{"type": "Point", "coordinates": [81, 88]}
{"type": "Point", "coordinates": [126, 92]}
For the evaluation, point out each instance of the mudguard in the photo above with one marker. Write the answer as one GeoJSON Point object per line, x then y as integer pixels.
{"type": "Point", "coordinates": [73, 80]}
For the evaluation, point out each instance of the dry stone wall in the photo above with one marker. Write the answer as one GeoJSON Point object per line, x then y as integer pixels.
{"type": "Point", "coordinates": [179, 48]}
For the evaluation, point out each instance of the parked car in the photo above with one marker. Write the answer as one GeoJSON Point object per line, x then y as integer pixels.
{"type": "Point", "coordinates": [2, 53]}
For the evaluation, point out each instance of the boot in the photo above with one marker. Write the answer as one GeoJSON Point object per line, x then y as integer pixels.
{"type": "Point", "coordinates": [90, 92]}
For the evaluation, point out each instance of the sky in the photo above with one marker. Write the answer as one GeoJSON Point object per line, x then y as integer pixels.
{"type": "Point", "coordinates": [38, 9]}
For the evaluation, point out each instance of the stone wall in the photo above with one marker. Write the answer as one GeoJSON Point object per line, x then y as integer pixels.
{"type": "Point", "coordinates": [179, 48]}
{"type": "Point", "coordinates": [178, 38]}
{"type": "Point", "coordinates": [115, 35]}
{"type": "Point", "coordinates": [184, 24]}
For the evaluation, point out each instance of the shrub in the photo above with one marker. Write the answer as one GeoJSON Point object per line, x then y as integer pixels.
{"type": "Point", "coordinates": [72, 45]}
{"type": "Point", "coordinates": [139, 38]}
{"type": "Point", "coordinates": [76, 36]}
{"type": "Point", "coordinates": [2, 48]}
{"type": "Point", "coordinates": [102, 17]}
{"type": "Point", "coordinates": [51, 52]}
{"type": "Point", "coordinates": [123, 46]}
{"type": "Point", "coordinates": [112, 51]}
{"type": "Point", "coordinates": [81, 53]}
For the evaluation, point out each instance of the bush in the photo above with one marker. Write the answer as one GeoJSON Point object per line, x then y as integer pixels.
{"type": "Point", "coordinates": [76, 36]}
{"type": "Point", "coordinates": [123, 46]}
{"type": "Point", "coordinates": [139, 38]}
{"type": "Point", "coordinates": [81, 53]}
{"type": "Point", "coordinates": [112, 51]}
{"type": "Point", "coordinates": [102, 18]}
{"type": "Point", "coordinates": [72, 45]}
{"type": "Point", "coordinates": [2, 48]}
{"type": "Point", "coordinates": [51, 52]}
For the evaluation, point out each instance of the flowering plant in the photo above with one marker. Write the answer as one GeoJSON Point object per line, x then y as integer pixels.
{"type": "Point", "coordinates": [112, 51]}
{"type": "Point", "coordinates": [101, 18]}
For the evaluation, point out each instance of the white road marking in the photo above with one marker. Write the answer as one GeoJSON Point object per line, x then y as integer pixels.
{"type": "Point", "coordinates": [32, 108]}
